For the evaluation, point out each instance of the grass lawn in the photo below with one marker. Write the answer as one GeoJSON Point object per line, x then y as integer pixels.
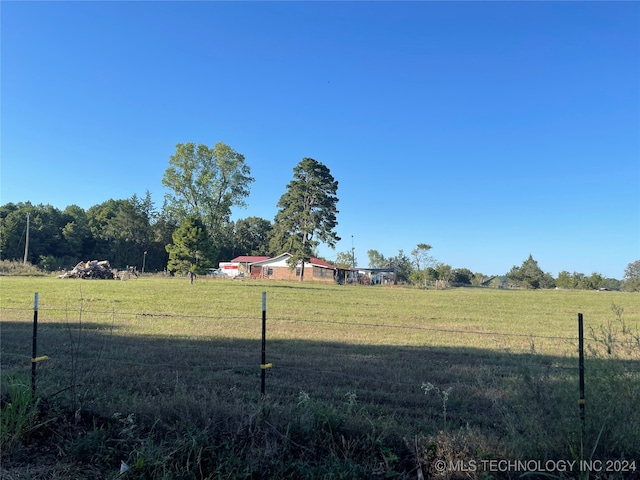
{"type": "Point", "coordinates": [178, 364]}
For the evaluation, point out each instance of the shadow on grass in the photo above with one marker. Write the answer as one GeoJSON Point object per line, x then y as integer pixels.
{"type": "Point", "coordinates": [525, 404]}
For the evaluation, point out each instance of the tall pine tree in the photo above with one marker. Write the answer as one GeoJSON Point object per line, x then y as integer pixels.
{"type": "Point", "coordinates": [307, 213]}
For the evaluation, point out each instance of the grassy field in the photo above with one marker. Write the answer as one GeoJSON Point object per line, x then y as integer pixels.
{"type": "Point", "coordinates": [366, 382]}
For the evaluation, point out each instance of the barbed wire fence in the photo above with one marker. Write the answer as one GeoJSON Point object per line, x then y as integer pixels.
{"type": "Point", "coordinates": [96, 350]}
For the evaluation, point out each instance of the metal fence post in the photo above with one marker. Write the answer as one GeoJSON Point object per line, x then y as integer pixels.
{"type": "Point", "coordinates": [264, 365]}
{"type": "Point", "coordinates": [34, 348]}
{"type": "Point", "coordinates": [581, 369]}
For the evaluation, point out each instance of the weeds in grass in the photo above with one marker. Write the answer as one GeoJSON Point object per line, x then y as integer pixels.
{"type": "Point", "coordinates": [351, 400]}
{"type": "Point", "coordinates": [303, 398]}
{"type": "Point", "coordinates": [18, 415]}
{"type": "Point", "coordinates": [443, 394]}
{"type": "Point", "coordinates": [543, 417]}
{"type": "Point", "coordinates": [437, 457]}
{"type": "Point", "coordinates": [616, 338]}
{"type": "Point", "coordinates": [75, 342]}
{"type": "Point", "coordinates": [613, 387]}
{"type": "Point", "coordinates": [79, 355]}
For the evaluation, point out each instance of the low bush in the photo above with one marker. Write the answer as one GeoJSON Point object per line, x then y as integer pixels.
{"type": "Point", "coordinates": [11, 267]}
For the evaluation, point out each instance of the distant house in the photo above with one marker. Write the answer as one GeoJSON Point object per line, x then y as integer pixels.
{"type": "Point", "coordinates": [240, 265]}
{"type": "Point", "coordinates": [277, 268]}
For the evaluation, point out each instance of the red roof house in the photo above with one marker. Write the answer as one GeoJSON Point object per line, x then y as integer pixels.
{"type": "Point", "coordinates": [279, 269]}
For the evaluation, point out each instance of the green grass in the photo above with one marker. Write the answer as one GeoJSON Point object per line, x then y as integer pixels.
{"type": "Point", "coordinates": [427, 314]}
{"type": "Point", "coordinates": [344, 395]}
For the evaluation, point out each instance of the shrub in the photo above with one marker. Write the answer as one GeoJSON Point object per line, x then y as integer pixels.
{"type": "Point", "coordinates": [12, 267]}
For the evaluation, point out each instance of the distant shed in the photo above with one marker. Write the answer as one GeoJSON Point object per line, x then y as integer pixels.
{"type": "Point", "coordinates": [240, 265]}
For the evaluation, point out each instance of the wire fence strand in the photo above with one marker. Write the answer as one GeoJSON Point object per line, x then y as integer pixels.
{"type": "Point", "coordinates": [232, 356]}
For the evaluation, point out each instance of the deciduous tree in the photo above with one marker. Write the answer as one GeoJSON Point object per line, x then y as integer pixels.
{"type": "Point", "coordinates": [421, 257]}
{"type": "Point", "coordinates": [631, 279]}
{"type": "Point", "coordinates": [206, 183]}
{"type": "Point", "coordinates": [403, 266]}
{"type": "Point", "coordinates": [13, 221]}
{"type": "Point", "coordinates": [76, 231]}
{"type": "Point", "coordinates": [122, 230]}
{"type": "Point", "coordinates": [566, 280]}
{"type": "Point", "coordinates": [345, 260]}
{"type": "Point", "coordinates": [252, 235]}
{"type": "Point", "coordinates": [376, 259]}
{"type": "Point", "coordinates": [594, 282]}
{"type": "Point", "coordinates": [423, 262]}
{"type": "Point", "coordinates": [444, 272]}
{"type": "Point", "coordinates": [461, 276]}
{"type": "Point", "coordinates": [45, 233]}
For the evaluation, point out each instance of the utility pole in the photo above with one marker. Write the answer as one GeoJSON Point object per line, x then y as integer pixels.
{"type": "Point", "coordinates": [26, 245]}
{"type": "Point", "coordinates": [353, 260]}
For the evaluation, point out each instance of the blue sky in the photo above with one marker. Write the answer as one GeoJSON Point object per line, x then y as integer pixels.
{"type": "Point", "coordinates": [490, 130]}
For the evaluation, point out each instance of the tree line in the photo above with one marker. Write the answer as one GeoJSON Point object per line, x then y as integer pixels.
{"type": "Point", "coordinates": [422, 269]}
{"type": "Point", "coordinates": [192, 231]}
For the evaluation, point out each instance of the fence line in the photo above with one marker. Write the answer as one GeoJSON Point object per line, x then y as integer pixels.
{"type": "Point", "coordinates": [426, 327]}
{"type": "Point", "coordinates": [125, 314]}
{"type": "Point", "coordinates": [282, 367]}
{"type": "Point", "coordinates": [281, 363]}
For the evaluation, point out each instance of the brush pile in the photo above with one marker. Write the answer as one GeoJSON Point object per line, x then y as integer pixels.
{"type": "Point", "coordinates": [91, 270]}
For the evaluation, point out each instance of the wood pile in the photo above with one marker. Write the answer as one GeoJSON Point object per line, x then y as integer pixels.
{"type": "Point", "coordinates": [93, 269]}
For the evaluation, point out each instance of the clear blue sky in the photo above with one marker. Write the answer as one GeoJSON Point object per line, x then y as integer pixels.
{"type": "Point", "coordinates": [490, 130]}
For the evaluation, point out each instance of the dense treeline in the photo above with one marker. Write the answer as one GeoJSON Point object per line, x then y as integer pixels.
{"type": "Point", "coordinates": [120, 231]}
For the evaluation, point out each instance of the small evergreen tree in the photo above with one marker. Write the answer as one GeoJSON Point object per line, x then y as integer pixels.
{"type": "Point", "coordinates": [530, 275]}
{"type": "Point", "coordinates": [190, 253]}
